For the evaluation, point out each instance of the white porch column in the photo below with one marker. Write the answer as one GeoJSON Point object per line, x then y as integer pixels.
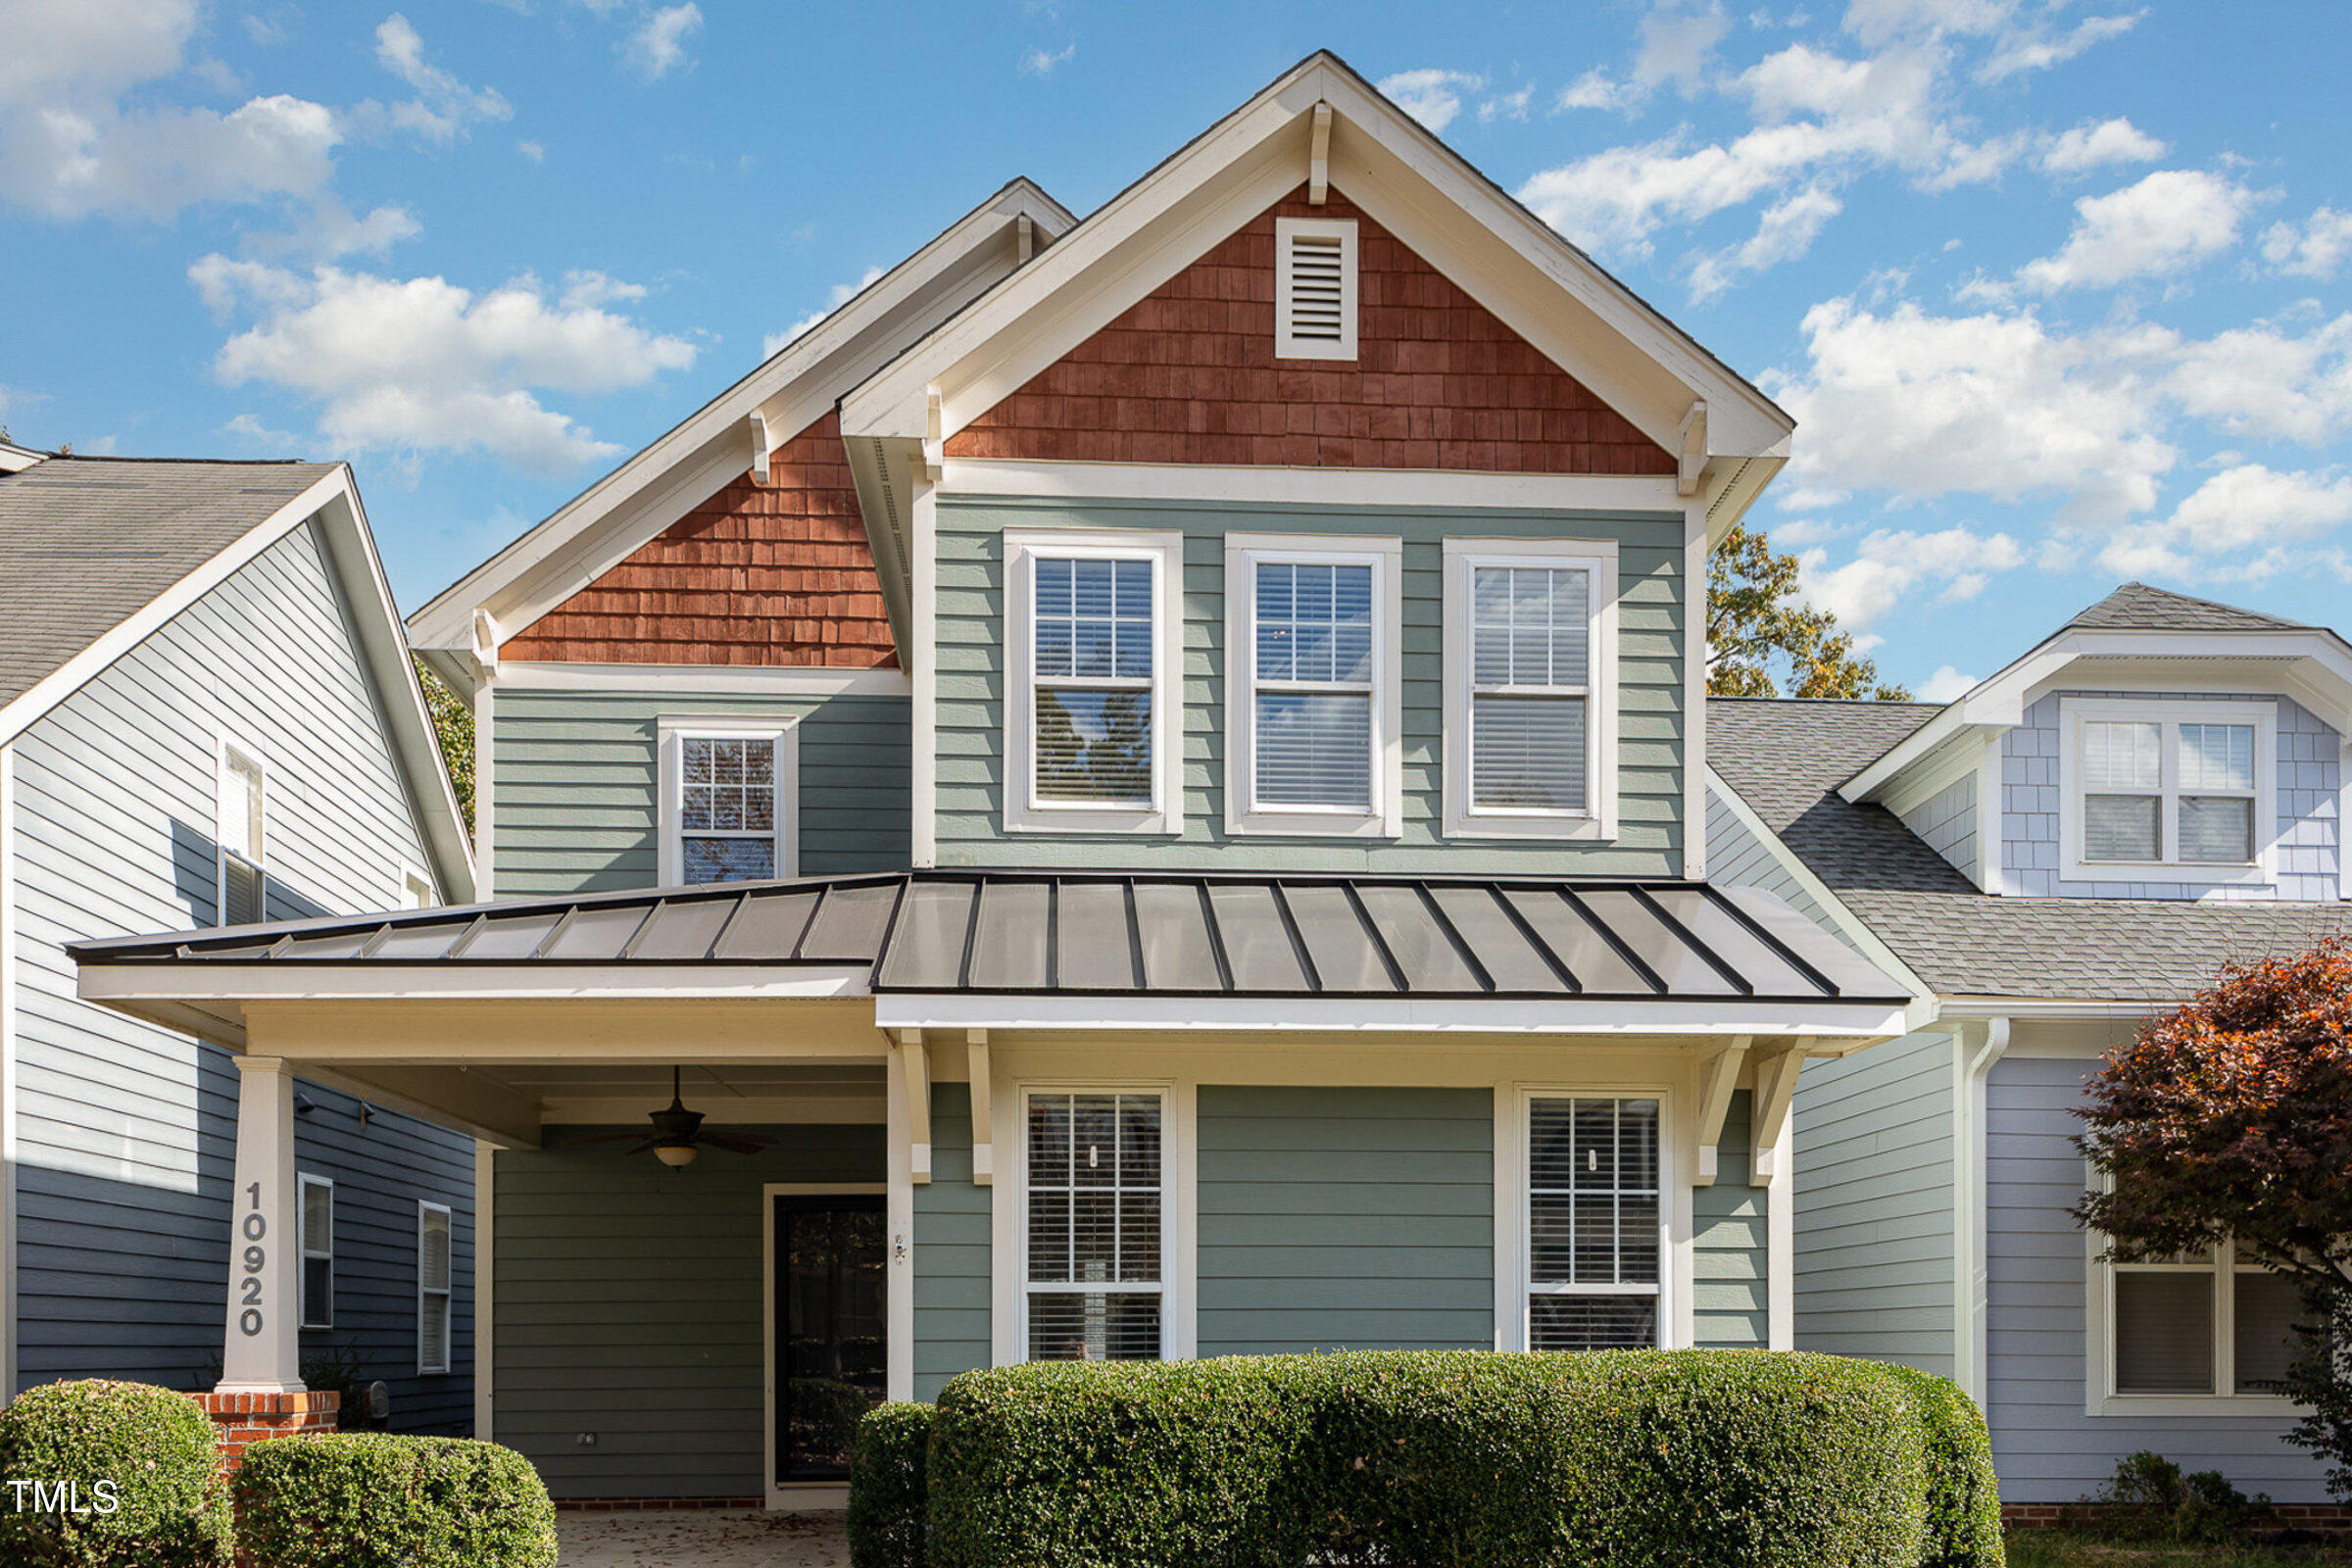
{"type": "Point", "coordinates": [262, 1350]}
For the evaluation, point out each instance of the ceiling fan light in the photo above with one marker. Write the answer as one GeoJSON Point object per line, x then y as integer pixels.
{"type": "Point", "coordinates": [675, 1155]}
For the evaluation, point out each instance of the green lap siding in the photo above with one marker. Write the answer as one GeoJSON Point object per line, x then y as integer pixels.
{"type": "Point", "coordinates": [1652, 624]}
{"type": "Point", "coordinates": [1345, 1219]}
{"type": "Point", "coordinates": [1729, 1251]}
{"type": "Point", "coordinates": [950, 1251]}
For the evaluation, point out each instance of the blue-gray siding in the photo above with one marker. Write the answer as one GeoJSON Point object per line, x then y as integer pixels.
{"type": "Point", "coordinates": [125, 1130]}
{"type": "Point", "coordinates": [1651, 718]}
{"type": "Point", "coordinates": [950, 1251]}
{"type": "Point", "coordinates": [2045, 1448]}
{"type": "Point", "coordinates": [577, 778]}
{"type": "Point", "coordinates": [630, 1304]}
{"type": "Point", "coordinates": [1730, 1305]}
{"type": "Point", "coordinates": [1947, 821]}
{"type": "Point", "coordinates": [1740, 857]}
{"type": "Point", "coordinates": [1345, 1219]}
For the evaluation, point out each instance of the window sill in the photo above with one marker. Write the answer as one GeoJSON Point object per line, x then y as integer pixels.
{"type": "Point", "coordinates": [1310, 825]}
{"type": "Point", "coordinates": [2168, 873]}
{"type": "Point", "coordinates": [1079, 822]}
{"type": "Point", "coordinates": [2192, 1406]}
{"type": "Point", "coordinates": [1531, 827]}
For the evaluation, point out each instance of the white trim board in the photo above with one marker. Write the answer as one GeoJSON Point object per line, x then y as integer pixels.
{"type": "Point", "coordinates": [706, 681]}
{"type": "Point", "coordinates": [485, 1303]}
{"type": "Point", "coordinates": [1839, 1027]}
{"type": "Point", "coordinates": [1179, 483]}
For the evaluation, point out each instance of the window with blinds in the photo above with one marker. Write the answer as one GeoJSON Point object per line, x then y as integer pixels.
{"type": "Point", "coordinates": [1095, 1220]}
{"type": "Point", "coordinates": [1594, 1219]}
{"type": "Point", "coordinates": [318, 1241]}
{"type": "Point", "coordinates": [1311, 697]}
{"type": "Point", "coordinates": [2165, 785]}
{"type": "Point", "coordinates": [432, 1287]}
{"type": "Point", "coordinates": [239, 802]}
{"type": "Point", "coordinates": [1531, 690]}
{"type": "Point", "coordinates": [1314, 288]}
{"type": "Point", "coordinates": [2201, 1325]}
{"type": "Point", "coordinates": [1092, 663]}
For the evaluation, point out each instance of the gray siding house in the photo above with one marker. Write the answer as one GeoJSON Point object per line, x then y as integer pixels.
{"type": "Point", "coordinates": [2083, 840]}
{"type": "Point", "coordinates": [1137, 791]}
{"type": "Point", "coordinates": [207, 718]}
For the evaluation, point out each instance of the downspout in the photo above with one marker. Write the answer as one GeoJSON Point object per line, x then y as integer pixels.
{"type": "Point", "coordinates": [1977, 1047]}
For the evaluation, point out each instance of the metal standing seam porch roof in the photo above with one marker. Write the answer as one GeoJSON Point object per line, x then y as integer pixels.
{"type": "Point", "coordinates": [1119, 934]}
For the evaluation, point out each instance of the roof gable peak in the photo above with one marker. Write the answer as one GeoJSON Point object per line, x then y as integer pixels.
{"type": "Point", "coordinates": [2140, 606]}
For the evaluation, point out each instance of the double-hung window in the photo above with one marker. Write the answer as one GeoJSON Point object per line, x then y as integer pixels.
{"type": "Point", "coordinates": [1530, 705]}
{"type": "Point", "coordinates": [2196, 1328]}
{"type": "Point", "coordinates": [728, 792]}
{"type": "Point", "coordinates": [432, 1287]}
{"type": "Point", "coordinates": [239, 801]}
{"type": "Point", "coordinates": [1095, 1225]}
{"type": "Point", "coordinates": [1594, 1223]}
{"type": "Point", "coordinates": [1312, 706]}
{"type": "Point", "coordinates": [1092, 709]}
{"type": "Point", "coordinates": [317, 1252]}
{"type": "Point", "coordinates": [2158, 790]}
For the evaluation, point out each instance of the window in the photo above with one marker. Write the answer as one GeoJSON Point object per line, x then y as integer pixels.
{"type": "Point", "coordinates": [729, 799]}
{"type": "Point", "coordinates": [1092, 705]}
{"type": "Point", "coordinates": [2168, 787]}
{"type": "Point", "coordinates": [432, 1287]}
{"type": "Point", "coordinates": [239, 829]}
{"type": "Point", "coordinates": [1530, 705]}
{"type": "Point", "coordinates": [1594, 1224]}
{"type": "Point", "coordinates": [1095, 1226]}
{"type": "Point", "coordinates": [317, 1252]}
{"type": "Point", "coordinates": [2200, 1327]}
{"type": "Point", "coordinates": [1314, 288]}
{"type": "Point", "coordinates": [1313, 710]}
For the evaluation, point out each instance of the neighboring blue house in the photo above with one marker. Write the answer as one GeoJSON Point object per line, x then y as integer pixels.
{"type": "Point", "coordinates": [208, 718]}
{"type": "Point", "coordinates": [2084, 839]}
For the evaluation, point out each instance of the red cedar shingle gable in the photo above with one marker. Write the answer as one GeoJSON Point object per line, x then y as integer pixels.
{"type": "Point", "coordinates": [1189, 375]}
{"type": "Point", "coordinates": [775, 574]}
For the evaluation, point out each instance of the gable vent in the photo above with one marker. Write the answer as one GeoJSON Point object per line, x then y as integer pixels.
{"type": "Point", "coordinates": [1314, 288]}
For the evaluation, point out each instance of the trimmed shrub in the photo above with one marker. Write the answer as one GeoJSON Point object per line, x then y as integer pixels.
{"type": "Point", "coordinates": [156, 1452]}
{"type": "Point", "coordinates": [1708, 1458]}
{"type": "Point", "coordinates": [887, 1498]}
{"type": "Point", "coordinates": [370, 1500]}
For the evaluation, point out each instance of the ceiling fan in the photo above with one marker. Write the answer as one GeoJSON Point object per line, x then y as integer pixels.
{"type": "Point", "coordinates": [678, 1133]}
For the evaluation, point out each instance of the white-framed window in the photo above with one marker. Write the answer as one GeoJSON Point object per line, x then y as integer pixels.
{"type": "Point", "coordinates": [1313, 712]}
{"type": "Point", "coordinates": [2154, 790]}
{"type": "Point", "coordinates": [1596, 1233]}
{"type": "Point", "coordinates": [730, 808]}
{"type": "Point", "coordinates": [1530, 708]}
{"type": "Point", "coordinates": [317, 1252]}
{"type": "Point", "coordinates": [1314, 288]}
{"type": "Point", "coordinates": [432, 1287]}
{"type": "Point", "coordinates": [1093, 701]}
{"type": "Point", "coordinates": [1094, 1232]}
{"type": "Point", "coordinates": [415, 889]}
{"type": "Point", "coordinates": [240, 801]}
{"type": "Point", "coordinates": [2202, 1334]}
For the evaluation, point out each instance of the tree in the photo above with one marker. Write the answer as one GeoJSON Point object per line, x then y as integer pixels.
{"type": "Point", "coordinates": [1755, 621]}
{"type": "Point", "coordinates": [453, 725]}
{"type": "Point", "coordinates": [2230, 1120]}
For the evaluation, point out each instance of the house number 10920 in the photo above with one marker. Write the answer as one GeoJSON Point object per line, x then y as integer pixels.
{"type": "Point", "coordinates": [256, 1226]}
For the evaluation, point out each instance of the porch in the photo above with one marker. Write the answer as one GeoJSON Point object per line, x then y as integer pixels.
{"type": "Point", "coordinates": [698, 1537]}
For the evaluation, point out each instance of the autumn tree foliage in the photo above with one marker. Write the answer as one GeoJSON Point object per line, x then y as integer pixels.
{"type": "Point", "coordinates": [1757, 625]}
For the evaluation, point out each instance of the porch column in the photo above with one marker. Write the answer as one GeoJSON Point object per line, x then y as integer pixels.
{"type": "Point", "coordinates": [262, 1351]}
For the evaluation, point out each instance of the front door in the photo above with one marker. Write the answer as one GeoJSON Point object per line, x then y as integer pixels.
{"type": "Point", "coordinates": [829, 1352]}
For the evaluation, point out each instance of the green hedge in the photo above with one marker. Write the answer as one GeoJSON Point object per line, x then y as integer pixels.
{"type": "Point", "coordinates": [888, 1499]}
{"type": "Point", "coordinates": [368, 1500]}
{"type": "Point", "coordinates": [1705, 1458]}
{"type": "Point", "coordinates": [159, 1456]}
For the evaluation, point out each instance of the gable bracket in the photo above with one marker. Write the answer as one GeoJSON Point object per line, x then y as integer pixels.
{"type": "Point", "coordinates": [760, 446]}
{"type": "Point", "coordinates": [1717, 1075]}
{"type": "Point", "coordinates": [1318, 159]}
{"type": "Point", "coordinates": [1691, 463]}
{"type": "Point", "coordinates": [934, 436]}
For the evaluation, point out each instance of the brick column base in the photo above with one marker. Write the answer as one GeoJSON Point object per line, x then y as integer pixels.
{"type": "Point", "coordinates": [242, 1419]}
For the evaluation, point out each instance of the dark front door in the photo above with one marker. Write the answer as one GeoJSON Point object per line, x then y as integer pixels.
{"type": "Point", "coordinates": [830, 1365]}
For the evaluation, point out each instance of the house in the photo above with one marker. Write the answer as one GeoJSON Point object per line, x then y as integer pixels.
{"type": "Point", "coordinates": [207, 718]}
{"type": "Point", "coordinates": [2082, 840]}
{"type": "Point", "coordinates": [1138, 791]}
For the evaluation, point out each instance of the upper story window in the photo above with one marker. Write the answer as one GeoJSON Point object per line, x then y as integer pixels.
{"type": "Point", "coordinates": [1530, 705]}
{"type": "Point", "coordinates": [1093, 706]}
{"type": "Point", "coordinates": [240, 798]}
{"type": "Point", "coordinates": [2164, 787]}
{"type": "Point", "coordinates": [1314, 288]}
{"type": "Point", "coordinates": [728, 790]}
{"type": "Point", "coordinates": [1312, 706]}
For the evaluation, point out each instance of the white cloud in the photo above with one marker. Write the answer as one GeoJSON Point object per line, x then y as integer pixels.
{"type": "Point", "coordinates": [2315, 248]}
{"type": "Point", "coordinates": [1597, 89]}
{"type": "Point", "coordinates": [1882, 22]}
{"type": "Point", "coordinates": [659, 45]}
{"type": "Point", "coordinates": [1785, 232]}
{"type": "Point", "coordinates": [444, 106]}
{"type": "Point", "coordinates": [246, 427]}
{"type": "Point", "coordinates": [838, 296]}
{"type": "Point", "coordinates": [1044, 61]}
{"type": "Point", "coordinates": [536, 152]}
{"type": "Point", "coordinates": [1921, 406]}
{"type": "Point", "coordinates": [2248, 521]}
{"type": "Point", "coordinates": [421, 365]}
{"type": "Point", "coordinates": [2087, 146]}
{"type": "Point", "coordinates": [1431, 95]}
{"type": "Point", "coordinates": [2266, 381]}
{"type": "Point", "coordinates": [332, 230]}
{"type": "Point", "coordinates": [1889, 566]}
{"type": "Point", "coordinates": [1678, 44]}
{"type": "Point", "coordinates": [2038, 47]}
{"type": "Point", "coordinates": [2167, 222]}
{"type": "Point", "coordinates": [1506, 105]}
{"type": "Point", "coordinates": [1945, 685]}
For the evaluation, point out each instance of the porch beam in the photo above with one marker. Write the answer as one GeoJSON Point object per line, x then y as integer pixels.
{"type": "Point", "coordinates": [1775, 1091]}
{"type": "Point", "coordinates": [916, 1059]}
{"type": "Point", "coordinates": [261, 1349]}
{"type": "Point", "coordinates": [449, 1097]}
{"type": "Point", "coordinates": [1717, 1075]}
{"type": "Point", "coordinates": [984, 1149]}
{"type": "Point", "coordinates": [635, 1031]}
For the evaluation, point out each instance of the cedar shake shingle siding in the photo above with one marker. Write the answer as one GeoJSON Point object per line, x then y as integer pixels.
{"type": "Point", "coordinates": [1189, 375]}
{"type": "Point", "coordinates": [778, 574]}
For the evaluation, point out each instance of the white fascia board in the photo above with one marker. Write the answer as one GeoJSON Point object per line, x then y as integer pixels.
{"type": "Point", "coordinates": [1842, 1025]}
{"type": "Point", "coordinates": [59, 684]}
{"type": "Point", "coordinates": [686, 680]}
{"type": "Point", "coordinates": [791, 390]}
{"type": "Point", "coordinates": [1299, 487]}
{"type": "Point", "coordinates": [275, 980]}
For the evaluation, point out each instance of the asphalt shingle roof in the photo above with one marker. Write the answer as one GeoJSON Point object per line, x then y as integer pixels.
{"type": "Point", "coordinates": [85, 543]}
{"type": "Point", "coordinates": [1787, 758]}
{"type": "Point", "coordinates": [2136, 607]}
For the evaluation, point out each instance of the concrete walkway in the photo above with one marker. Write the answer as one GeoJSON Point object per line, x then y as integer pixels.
{"type": "Point", "coordinates": [695, 1537]}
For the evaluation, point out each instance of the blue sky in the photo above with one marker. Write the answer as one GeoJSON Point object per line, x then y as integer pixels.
{"type": "Point", "coordinates": [2055, 289]}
